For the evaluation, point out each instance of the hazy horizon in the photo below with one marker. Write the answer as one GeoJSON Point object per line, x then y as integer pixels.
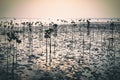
{"type": "Point", "coordinates": [60, 8]}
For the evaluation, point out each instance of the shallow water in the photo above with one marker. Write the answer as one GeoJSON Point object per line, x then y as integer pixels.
{"type": "Point", "coordinates": [74, 54]}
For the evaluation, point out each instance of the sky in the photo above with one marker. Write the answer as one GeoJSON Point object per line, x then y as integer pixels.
{"type": "Point", "coordinates": [60, 8]}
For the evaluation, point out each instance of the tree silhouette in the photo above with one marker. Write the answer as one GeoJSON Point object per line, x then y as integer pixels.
{"type": "Point", "coordinates": [73, 31]}
{"type": "Point", "coordinates": [29, 24]}
{"type": "Point", "coordinates": [23, 24]}
{"type": "Point", "coordinates": [40, 33]}
{"type": "Point", "coordinates": [55, 28]}
{"type": "Point", "coordinates": [112, 28]}
{"type": "Point", "coordinates": [12, 36]}
{"type": "Point", "coordinates": [88, 27]}
{"type": "Point", "coordinates": [46, 36]}
{"type": "Point", "coordinates": [50, 32]}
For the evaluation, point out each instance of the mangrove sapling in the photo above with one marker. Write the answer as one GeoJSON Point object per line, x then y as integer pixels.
{"type": "Point", "coordinates": [66, 31]}
{"type": "Point", "coordinates": [89, 48]}
{"type": "Point", "coordinates": [112, 30]}
{"type": "Point", "coordinates": [83, 45]}
{"type": "Point", "coordinates": [114, 53]}
{"type": "Point", "coordinates": [101, 37]}
{"type": "Point", "coordinates": [94, 27]}
{"type": "Point", "coordinates": [51, 31]}
{"type": "Point", "coordinates": [40, 35]}
{"type": "Point", "coordinates": [11, 37]}
{"type": "Point", "coordinates": [40, 32]}
{"type": "Point", "coordinates": [80, 25]}
{"type": "Point", "coordinates": [55, 28]}
{"type": "Point", "coordinates": [6, 52]}
{"type": "Point", "coordinates": [23, 33]}
{"type": "Point", "coordinates": [13, 63]}
{"type": "Point", "coordinates": [46, 36]}
{"type": "Point", "coordinates": [30, 38]}
{"type": "Point", "coordinates": [88, 27]}
{"type": "Point", "coordinates": [50, 51]}
{"type": "Point", "coordinates": [112, 27]}
{"type": "Point", "coordinates": [73, 32]}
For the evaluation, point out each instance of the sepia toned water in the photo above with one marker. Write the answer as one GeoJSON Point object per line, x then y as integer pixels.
{"type": "Point", "coordinates": [71, 55]}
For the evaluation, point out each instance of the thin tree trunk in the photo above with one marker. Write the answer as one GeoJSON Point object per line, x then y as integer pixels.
{"type": "Point", "coordinates": [89, 50]}
{"type": "Point", "coordinates": [50, 51]}
{"type": "Point", "coordinates": [16, 55]}
{"type": "Point", "coordinates": [7, 55]}
{"type": "Point", "coordinates": [23, 34]}
{"type": "Point", "coordinates": [13, 64]}
{"type": "Point", "coordinates": [72, 38]}
{"type": "Point", "coordinates": [66, 32]}
{"type": "Point", "coordinates": [54, 46]}
{"type": "Point", "coordinates": [46, 54]}
{"type": "Point", "coordinates": [93, 33]}
{"type": "Point", "coordinates": [39, 39]}
{"type": "Point", "coordinates": [83, 46]}
{"type": "Point", "coordinates": [7, 63]}
{"type": "Point", "coordinates": [114, 54]}
{"type": "Point", "coordinates": [113, 43]}
{"type": "Point", "coordinates": [101, 38]}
